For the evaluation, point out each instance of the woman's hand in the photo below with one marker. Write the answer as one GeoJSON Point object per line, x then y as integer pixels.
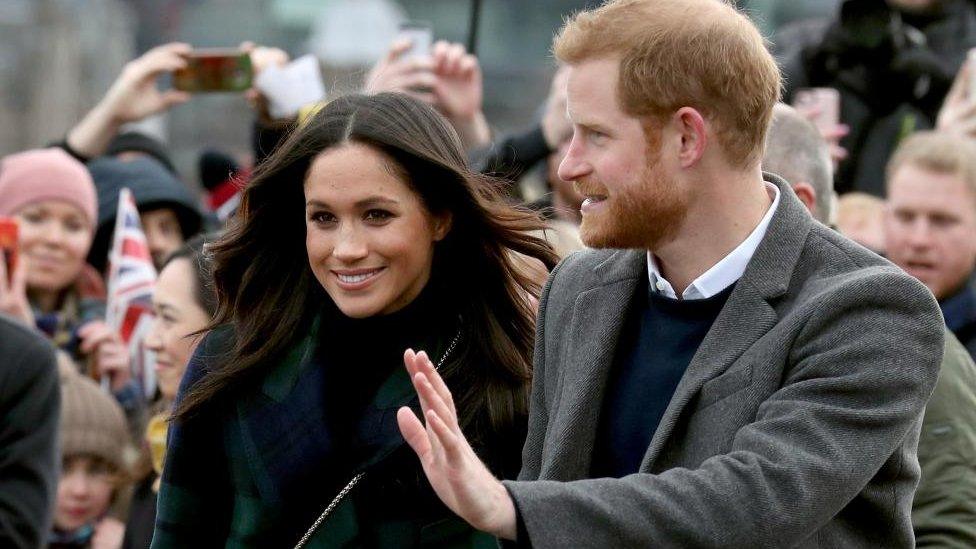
{"type": "Point", "coordinates": [109, 352]}
{"type": "Point", "coordinates": [13, 292]}
{"type": "Point", "coordinates": [458, 477]}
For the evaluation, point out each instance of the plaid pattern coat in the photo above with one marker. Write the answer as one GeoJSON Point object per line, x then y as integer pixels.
{"type": "Point", "coordinates": [255, 471]}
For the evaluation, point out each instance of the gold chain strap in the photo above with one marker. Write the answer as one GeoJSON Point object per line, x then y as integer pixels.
{"type": "Point", "coordinates": [355, 480]}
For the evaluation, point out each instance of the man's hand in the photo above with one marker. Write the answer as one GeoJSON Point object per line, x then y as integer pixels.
{"type": "Point", "coordinates": [109, 351]}
{"type": "Point", "coordinates": [458, 477]}
{"type": "Point", "coordinates": [132, 97]}
{"type": "Point", "coordinates": [958, 112]}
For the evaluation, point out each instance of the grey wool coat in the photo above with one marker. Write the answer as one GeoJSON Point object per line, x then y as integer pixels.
{"type": "Point", "coordinates": [795, 425]}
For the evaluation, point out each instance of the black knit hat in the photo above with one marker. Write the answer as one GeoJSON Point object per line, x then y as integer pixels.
{"type": "Point", "coordinates": [153, 188]}
{"type": "Point", "coordinates": [133, 141]}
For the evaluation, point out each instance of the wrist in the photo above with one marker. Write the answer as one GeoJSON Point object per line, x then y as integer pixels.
{"type": "Point", "coordinates": [473, 130]}
{"type": "Point", "coordinates": [503, 523]}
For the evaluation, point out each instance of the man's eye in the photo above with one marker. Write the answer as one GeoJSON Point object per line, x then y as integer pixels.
{"type": "Point", "coordinates": [378, 215]}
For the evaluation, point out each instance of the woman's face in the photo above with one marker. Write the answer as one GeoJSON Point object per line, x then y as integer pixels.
{"type": "Point", "coordinates": [177, 315]}
{"type": "Point", "coordinates": [84, 492]}
{"type": "Point", "coordinates": [369, 237]}
{"type": "Point", "coordinates": [54, 238]}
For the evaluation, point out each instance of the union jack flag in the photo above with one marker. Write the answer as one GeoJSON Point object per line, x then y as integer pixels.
{"type": "Point", "coordinates": [130, 285]}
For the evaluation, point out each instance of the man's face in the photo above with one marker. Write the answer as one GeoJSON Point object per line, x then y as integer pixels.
{"type": "Point", "coordinates": [930, 227]}
{"type": "Point", "coordinates": [632, 199]}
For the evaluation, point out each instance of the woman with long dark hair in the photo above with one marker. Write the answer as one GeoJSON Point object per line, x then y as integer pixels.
{"type": "Point", "coordinates": [364, 234]}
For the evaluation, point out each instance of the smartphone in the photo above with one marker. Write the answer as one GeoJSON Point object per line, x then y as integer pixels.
{"type": "Point", "coordinates": [421, 36]}
{"type": "Point", "coordinates": [826, 103]}
{"type": "Point", "coordinates": [215, 70]}
{"type": "Point", "coordinates": [9, 233]}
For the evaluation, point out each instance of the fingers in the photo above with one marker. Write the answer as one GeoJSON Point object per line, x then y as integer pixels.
{"type": "Point", "coordinates": [4, 284]}
{"type": "Point", "coordinates": [452, 60]}
{"type": "Point", "coordinates": [397, 48]}
{"type": "Point", "coordinates": [94, 334]}
{"type": "Point", "coordinates": [18, 285]}
{"type": "Point", "coordinates": [437, 382]}
{"type": "Point", "coordinates": [431, 400]}
{"type": "Point", "coordinates": [444, 437]}
{"type": "Point", "coordinates": [172, 98]}
{"type": "Point", "coordinates": [414, 433]}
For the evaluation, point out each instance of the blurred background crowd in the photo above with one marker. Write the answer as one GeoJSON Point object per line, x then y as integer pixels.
{"type": "Point", "coordinates": [89, 79]}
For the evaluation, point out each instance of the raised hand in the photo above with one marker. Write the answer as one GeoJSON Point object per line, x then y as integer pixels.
{"type": "Point", "coordinates": [110, 353]}
{"type": "Point", "coordinates": [13, 291]}
{"type": "Point", "coordinates": [958, 112]}
{"type": "Point", "coordinates": [394, 73]}
{"type": "Point", "coordinates": [262, 57]}
{"type": "Point", "coordinates": [458, 92]}
{"type": "Point", "coordinates": [455, 472]}
{"type": "Point", "coordinates": [132, 97]}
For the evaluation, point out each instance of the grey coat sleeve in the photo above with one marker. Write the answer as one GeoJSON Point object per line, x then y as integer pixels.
{"type": "Point", "coordinates": [862, 364]}
{"type": "Point", "coordinates": [30, 401]}
{"type": "Point", "coordinates": [538, 403]}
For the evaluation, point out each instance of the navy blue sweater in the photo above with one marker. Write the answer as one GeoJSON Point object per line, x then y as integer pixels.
{"type": "Point", "coordinates": [657, 342]}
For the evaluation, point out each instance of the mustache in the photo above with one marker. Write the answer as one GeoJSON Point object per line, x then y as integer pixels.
{"type": "Point", "coordinates": [589, 186]}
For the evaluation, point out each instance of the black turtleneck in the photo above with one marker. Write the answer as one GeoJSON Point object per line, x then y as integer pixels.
{"type": "Point", "coordinates": [360, 354]}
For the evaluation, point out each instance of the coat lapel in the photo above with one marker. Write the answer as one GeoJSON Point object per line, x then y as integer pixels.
{"type": "Point", "coordinates": [598, 317]}
{"type": "Point", "coordinates": [747, 315]}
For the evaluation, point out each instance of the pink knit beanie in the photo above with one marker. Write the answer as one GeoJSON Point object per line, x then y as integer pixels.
{"type": "Point", "coordinates": [46, 174]}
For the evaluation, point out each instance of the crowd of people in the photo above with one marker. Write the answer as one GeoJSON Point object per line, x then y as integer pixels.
{"type": "Point", "coordinates": [722, 325]}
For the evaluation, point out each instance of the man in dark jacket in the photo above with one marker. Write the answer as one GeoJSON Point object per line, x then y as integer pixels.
{"type": "Point", "coordinates": [892, 61]}
{"type": "Point", "coordinates": [30, 405]}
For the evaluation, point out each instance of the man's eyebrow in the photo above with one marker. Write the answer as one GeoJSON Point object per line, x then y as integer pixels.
{"type": "Point", "coordinates": [593, 126]}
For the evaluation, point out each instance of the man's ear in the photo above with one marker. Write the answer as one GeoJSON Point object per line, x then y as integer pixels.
{"type": "Point", "coordinates": [442, 225]}
{"type": "Point", "coordinates": [806, 193]}
{"type": "Point", "coordinates": [690, 125]}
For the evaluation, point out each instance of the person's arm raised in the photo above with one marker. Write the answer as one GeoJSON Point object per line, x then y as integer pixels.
{"type": "Point", "coordinates": [132, 97]}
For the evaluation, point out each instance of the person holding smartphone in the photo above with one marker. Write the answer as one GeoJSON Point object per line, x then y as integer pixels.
{"type": "Point", "coordinates": [53, 289]}
{"type": "Point", "coordinates": [364, 234]}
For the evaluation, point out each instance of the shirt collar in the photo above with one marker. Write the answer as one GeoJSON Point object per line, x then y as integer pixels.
{"type": "Point", "coordinates": [724, 273]}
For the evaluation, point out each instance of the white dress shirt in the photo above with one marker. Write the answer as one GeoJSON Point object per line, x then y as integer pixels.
{"type": "Point", "coordinates": [724, 273]}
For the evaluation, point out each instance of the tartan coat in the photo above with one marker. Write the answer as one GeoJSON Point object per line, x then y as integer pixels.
{"type": "Point", "coordinates": [254, 470]}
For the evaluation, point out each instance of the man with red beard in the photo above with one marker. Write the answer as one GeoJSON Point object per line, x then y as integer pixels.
{"type": "Point", "coordinates": [725, 372]}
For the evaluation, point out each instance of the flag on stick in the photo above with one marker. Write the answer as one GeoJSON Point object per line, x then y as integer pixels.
{"type": "Point", "coordinates": [130, 285]}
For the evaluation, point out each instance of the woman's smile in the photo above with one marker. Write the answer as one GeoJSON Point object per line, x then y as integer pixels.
{"type": "Point", "coordinates": [357, 279]}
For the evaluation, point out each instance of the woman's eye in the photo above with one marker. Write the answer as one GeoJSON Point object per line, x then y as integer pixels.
{"type": "Point", "coordinates": [378, 215]}
{"type": "Point", "coordinates": [322, 217]}
{"type": "Point", "coordinates": [33, 217]}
